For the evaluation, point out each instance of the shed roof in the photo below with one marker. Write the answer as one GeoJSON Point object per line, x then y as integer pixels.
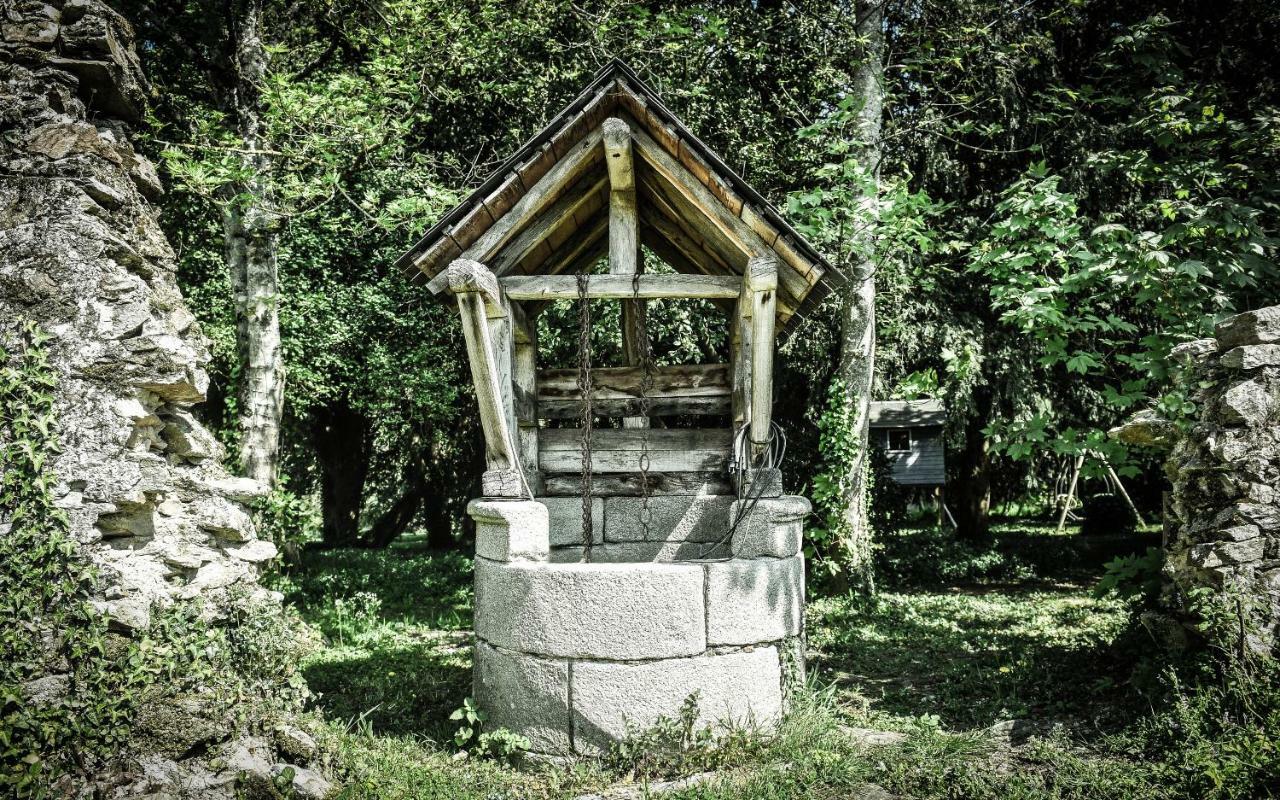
{"type": "Point", "coordinates": [907, 413]}
{"type": "Point", "coordinates": [696, 213]}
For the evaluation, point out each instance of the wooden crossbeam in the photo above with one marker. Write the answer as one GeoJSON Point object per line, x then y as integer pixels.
{"type": "Point", "coordinates": [693, 389]}
{"type": "Point", "coordinates": [621, 287]}
{"type": "Point", "coordinates": [619, 449]}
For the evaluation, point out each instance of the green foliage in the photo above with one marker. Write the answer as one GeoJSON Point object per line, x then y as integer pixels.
{"type": "Point", "coordinates": [676, 746]}
{"type": "Point", "coordinates": [1135, 576]}
{"type": "Point", "coordinates": [1104, 513]}
{"type": "Point", "coordinates": [887, 501]}
{"type": "Point", "coordinates": [827, 543]}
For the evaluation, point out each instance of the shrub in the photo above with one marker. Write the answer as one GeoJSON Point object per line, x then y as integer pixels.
{"type": "Point", "coordinates": [1106, 513]}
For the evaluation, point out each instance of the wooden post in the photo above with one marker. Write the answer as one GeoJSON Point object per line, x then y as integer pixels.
{"type": "Point", "coordinates": [624, 240]}
{"type": "Point", "coordinates": [1129, 500]}
{"type": "Point", "coordinates": [486, 326]}
{"type": "Point", "coordinates": [762, 286]}
{"type": "Point", "coordinates": [524, 377]}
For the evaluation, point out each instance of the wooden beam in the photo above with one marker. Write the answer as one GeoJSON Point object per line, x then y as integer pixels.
{"type": "Point", "coordinates": [564, 172]}
{"type": "Point", "coordinates": [621, 287]}
{"type": "Point", "coordinates": [524, 379]}
{"type": "Point", "coordinates": [616, 135]}
{"type": "Point", "coordinates": [761, 281]}
{"type": "Point", "coordinates": [623, 383]}
{"type": "Point", "coordinates": [629, 484]}
{"type": "Point", "coordinates": [488, 337]}
{"type": "Point", "coordinates": [558, 213]}
{"type": "Point", "coordinates": [660, 406]}
{"type": "Point", "coordinates": [619, 449]}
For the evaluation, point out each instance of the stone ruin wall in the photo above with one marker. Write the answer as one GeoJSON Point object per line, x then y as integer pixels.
{"type": "Point", "coordinates": [1222, 517]}
{"type": "Point", "coordinates": [84, 256]}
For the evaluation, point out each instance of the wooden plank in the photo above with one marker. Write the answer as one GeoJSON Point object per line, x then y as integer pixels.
{"type": "Point", "coordinates": [622, 383]}
{"type": "Point", "coordinates": [563, 174]}
{"type": "Point", "coordinates": [586, 239]}
{"type": "Point", "coordinates": [560, 212]}
{"type": "Point", "coordinates": [501, 199]}
{"type": "Point", "coordinates": [740, 350]}
{"type": "Point", "coordinates": [628, 485]}
{"type": "Point", "coordinates": [536, 166]}
{"type": "Point", "coordinates": [686, 240]}
{"type": "Point", "coordinates": [441, 253]}
{"type": "Point", "coordinates": [464, 276]}
{"type": "Point", "coordinates": [658, 407]}
{"type": "Point", "coordinates": [525, 389]}
{"type": "Point", "coordinates": [620, 449]}
{"type": "Point", "coordinates": [762, 283]}
{"type": "Point", "coordinates": [620, 287]}
{"type": "Point", "coordinates": [688, 215]}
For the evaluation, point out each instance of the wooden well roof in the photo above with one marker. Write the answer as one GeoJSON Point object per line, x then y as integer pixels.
{"type": "Point", "coordinates": [545, 210]}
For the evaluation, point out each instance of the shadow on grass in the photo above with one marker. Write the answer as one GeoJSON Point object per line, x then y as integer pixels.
{"type": "Point", "coordinates": [973, 659]}
{"type": "Point", "coordinates": [396, 687]}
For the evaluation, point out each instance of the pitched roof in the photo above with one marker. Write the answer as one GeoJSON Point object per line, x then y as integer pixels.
{"type": "Point", "coordinates": [695, 212]}
{"type": "Point", "coordinates": [907, 413]}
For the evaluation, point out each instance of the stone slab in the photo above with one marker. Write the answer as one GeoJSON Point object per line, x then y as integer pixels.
{"type": "Point", "coordinates": [510, 530]}
{"type": "Point", "coordinates": [772, 527]}
{"type": "Point", "coordinates": [740, 689]}
{"type": "Point", "coordinates": [612, 611]}
{"type": "Point", "coordinates": [524, 694]}
{"type": "Point", "coordinates": [1252, 327]}
{"type": "Point", "coordinates": [754, 600]}
{"type": "Point", "coordinates": [564, 515]}
{"type": "Point", "coordinates": [694, 518]}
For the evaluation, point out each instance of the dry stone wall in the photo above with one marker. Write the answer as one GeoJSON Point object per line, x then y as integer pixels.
{"type": "Point", "coordinates": [1222, 518]}
{"type": "Point", "coordinates": [84, 257]}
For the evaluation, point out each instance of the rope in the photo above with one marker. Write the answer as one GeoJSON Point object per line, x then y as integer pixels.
{"type": "Point", "coordinates": [584, 390]}
{"type": "Point", "coordinates": [775, 450]}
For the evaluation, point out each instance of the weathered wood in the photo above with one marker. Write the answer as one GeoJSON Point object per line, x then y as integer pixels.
{"type": "Point", "coordinates": [740, 350]}
{"type": "Point", "coordinates": [525, 390]}
{"type": "Point", "coordinates": [620, 287]}
{"type": "Point", "coordinates": [616, 135]}
{"type": "Point", "coordinates": [499, 453]}
{"type": "Point", "coordinates": [569, 408]}
{"type": "Point", "coordinates": [465, 276]}
{"type": "Point", "coordinates": [762, 282]}
{"type": "Point", "coordinates": [619, 450]}
{"type": "Point", "coordinates": [585, 239]}
{"type": "Point", "coordinates": [623, 383]}
{"type": "Point", "coordinates": [629, 485]}
{"type": "Point", "coordinates": [562, 174]}
{"type": "Point", "coordinates": [560, 212]}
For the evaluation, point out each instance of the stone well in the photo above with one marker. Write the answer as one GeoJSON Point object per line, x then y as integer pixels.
{"type": "Point", "coordinates": [570, 653]}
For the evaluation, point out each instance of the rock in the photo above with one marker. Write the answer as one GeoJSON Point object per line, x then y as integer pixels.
{"type": "Point", "coordinates": [525, 693]}
{"type": "Point", "coordinates": [1252, 327]}
{"type": "Point", "coordinates": [754, 600]}
{"type": "Point", "coordinates": [295, 742]}
{"type": "Point", "coordinates": [250, 757]}
{"type": "Point", "coordinates": [255, 551]}
{"type": "Point", "coordinates": [873, 738]}
{"type": "Point", "coordinates": [651, 788]}
{"type": "Point", "coordinates": [1253, 356]}
{"type": "Point", "coordinates": [1188, 354]}
{"type": "Point", "coordinates": [1017, 732]}
{"type": "Point", "coordinates": [189, 439]}
{"type": "Point", "coordinates": [43, 691]}
{"type": "Point", "coordinates": [1250, 403]}
{"type": "Point", "coordinates": [1145, 429]}
{"type": "Point", "coordinates": [307, 783]}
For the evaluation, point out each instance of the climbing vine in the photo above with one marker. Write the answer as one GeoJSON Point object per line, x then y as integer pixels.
{"type": "Point", "coordinates": [833, 548]}
{"type": "Point", "coordinates": [60, 686]}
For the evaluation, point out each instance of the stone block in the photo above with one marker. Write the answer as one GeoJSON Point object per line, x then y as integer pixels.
{"type": "Point", "coordinates": [762, 483]}
{"type": "Point", "coordinates": [1250, 403]}
{"type": "Point", "coordinates": [640, 552]}
{"type": "Point", "coordinates": [510, 530]}
{"type": "Point", "coordinates": [771, 526]}
{"type": "Point", "coordinates": [741, 689]}
{"type": "Point", "coordinates": [1252, 327]}
{"type": "Point", "coordinates": [564, 515]}
{"type": "Point", "coordinates": [754, 600]}
{"type": "Point", "coordinates": [695, 518]}
{"type": "Point", "coordinates": [1217, 554]}
{"type": "Point", "coordinates": [614, 611]}
{"type": "Point", "coordinates": [1252, 356]}
{"type": "Point", "coordinates": [524, 694]}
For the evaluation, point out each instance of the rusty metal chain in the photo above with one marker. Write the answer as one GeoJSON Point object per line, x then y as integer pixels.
{"type": "Point", "coordinates": [588, 412]}
{"type": "Point", "coordinates": [646, 385]}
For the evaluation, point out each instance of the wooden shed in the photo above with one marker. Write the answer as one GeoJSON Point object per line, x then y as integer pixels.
{"type": "Point", "coordinates": [910, 432]}
{"type": "Point", "coordinates": [614, 170]}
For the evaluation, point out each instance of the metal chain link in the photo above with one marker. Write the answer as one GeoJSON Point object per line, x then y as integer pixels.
{"type": "Point", "coordinates": [646, 385]}
{"type": "Point", "coordinates": [588, 412]}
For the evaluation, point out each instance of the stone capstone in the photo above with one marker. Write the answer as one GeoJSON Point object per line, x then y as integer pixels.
{"type": "Point", "coordinates": [769, 526]}
{"type": "Point", "coordinates": [510, 530]}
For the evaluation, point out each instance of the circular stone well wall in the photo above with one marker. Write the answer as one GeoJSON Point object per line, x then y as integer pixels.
{"type": "Point", "coordinates": [572, 653]}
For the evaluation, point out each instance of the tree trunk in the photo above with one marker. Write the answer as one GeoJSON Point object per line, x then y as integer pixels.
{"type": "Point", "coordinates": [249, 229]}
{"type": "Point", "coordinates": [340, 438]}
{"type": "Point", "coordinates": [857, 323]}
{"type": "Point", "coordinates": [970, 491]}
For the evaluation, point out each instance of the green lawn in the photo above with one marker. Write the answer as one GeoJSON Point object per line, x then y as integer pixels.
{"type": "Point", "coordinates": [1014, 638]}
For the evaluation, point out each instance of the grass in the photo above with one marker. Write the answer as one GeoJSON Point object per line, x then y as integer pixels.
{"type": "Point", "coordinates": [1006, 630]}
